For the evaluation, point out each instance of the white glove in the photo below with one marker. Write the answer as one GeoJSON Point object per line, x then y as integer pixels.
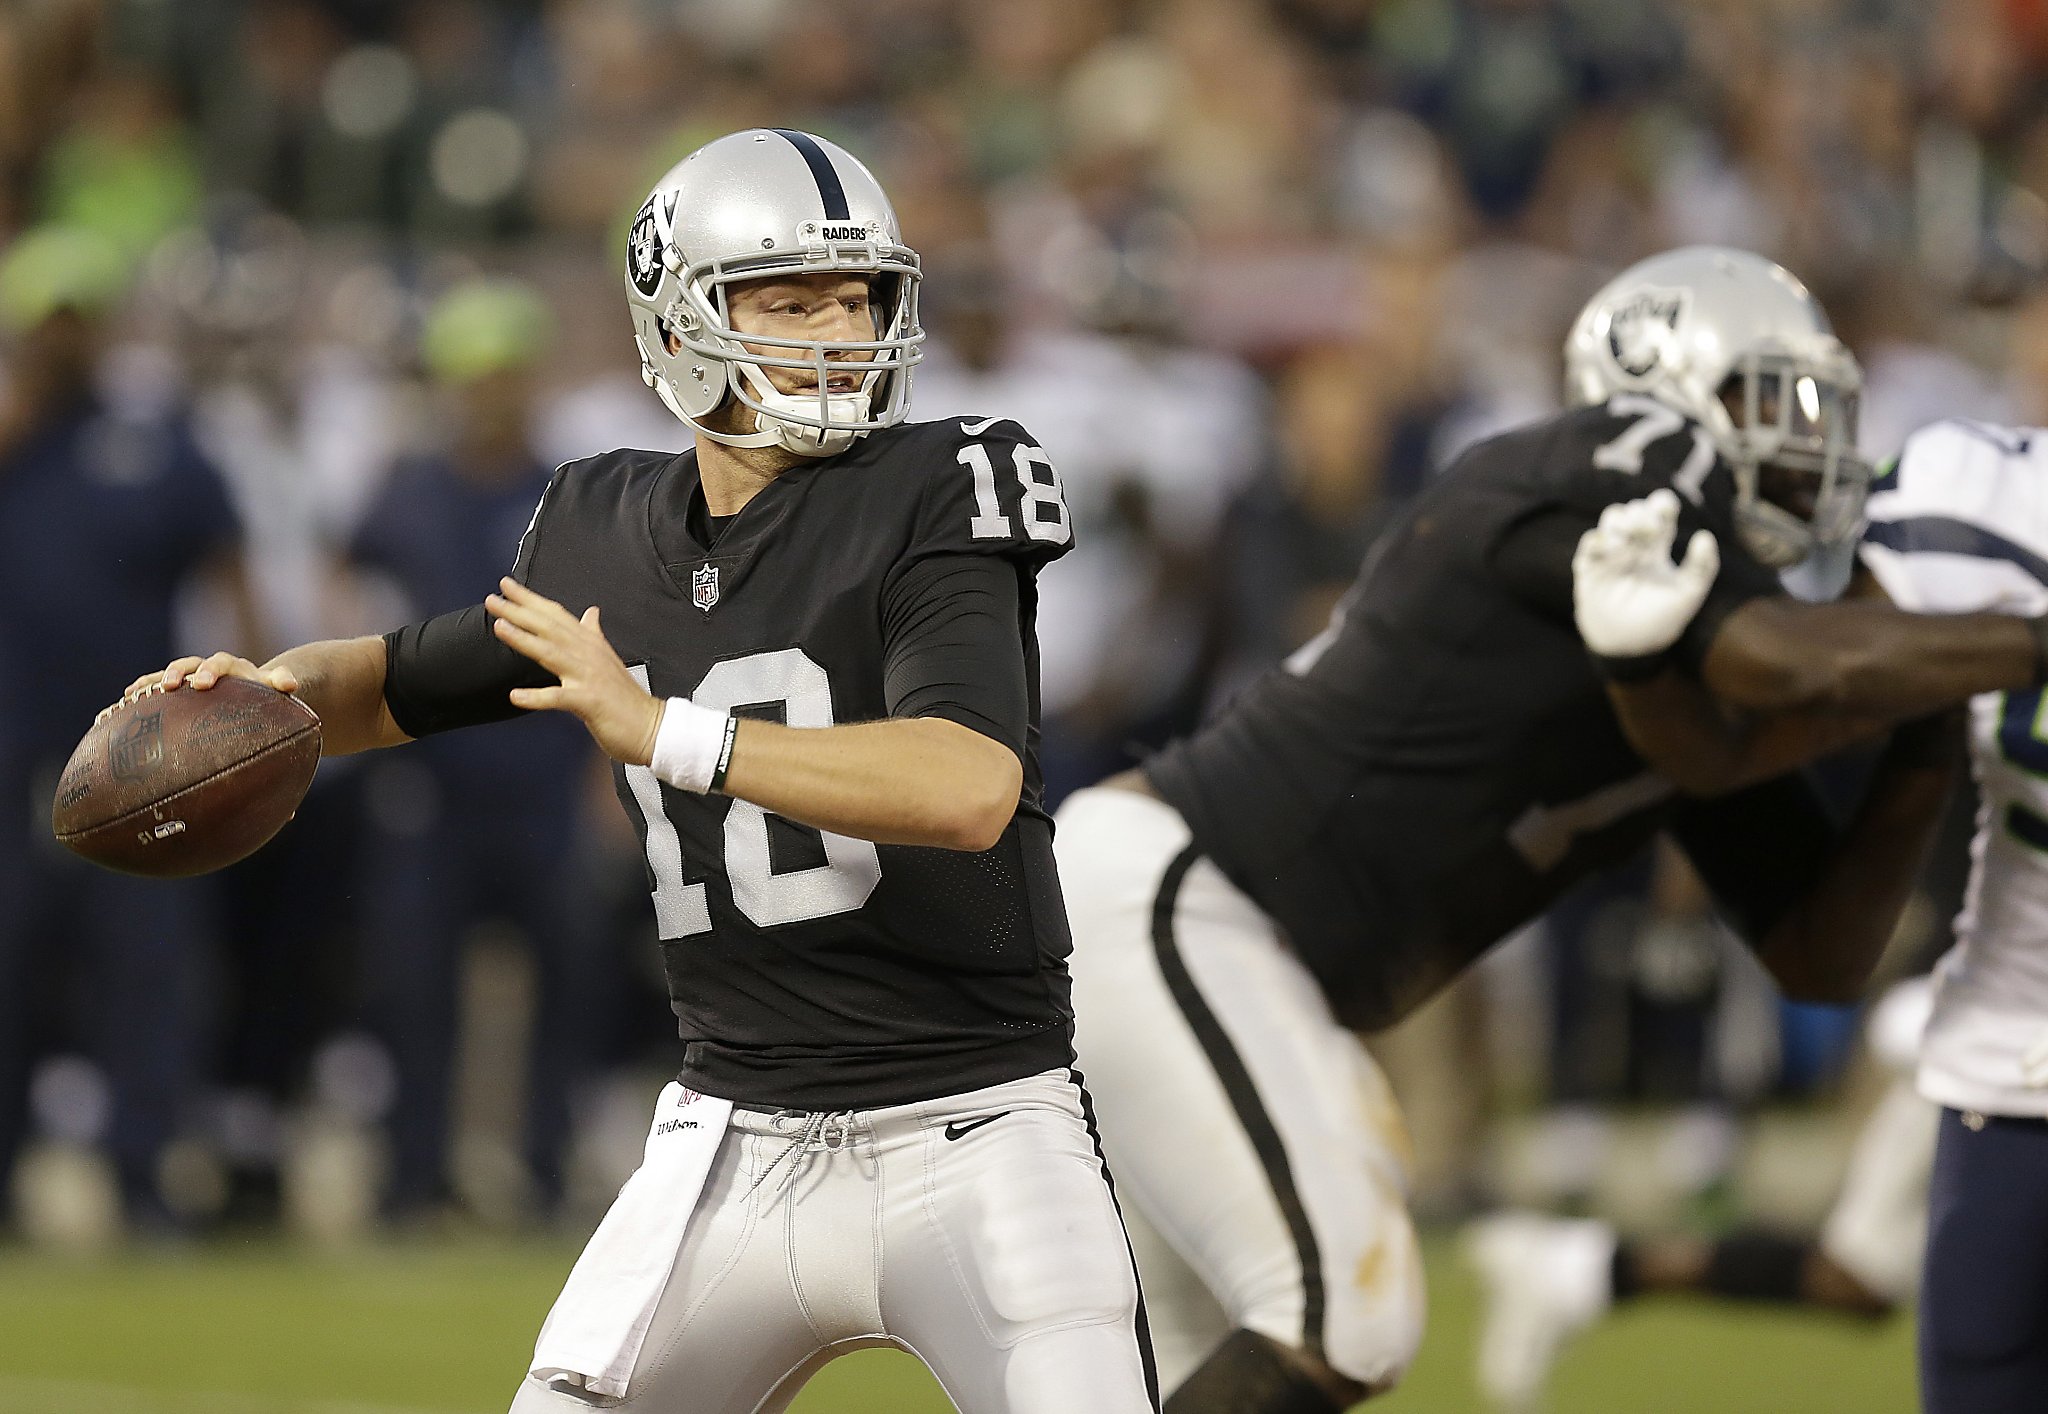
{"type": "Point", "coordinates": [1629, 599]}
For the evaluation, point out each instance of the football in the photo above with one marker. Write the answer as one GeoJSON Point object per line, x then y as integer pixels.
{"type": "Point", "coordinates": [173, 783]}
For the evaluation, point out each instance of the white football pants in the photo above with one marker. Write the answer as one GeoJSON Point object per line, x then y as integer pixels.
{"type": "Point", "coordinates": [1251, 1133]}
{"type": "Point", "coordinates": [978, 1232]}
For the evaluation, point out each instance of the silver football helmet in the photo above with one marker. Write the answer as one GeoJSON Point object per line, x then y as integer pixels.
{"type": "Point", "coordinates": [1735, 342]}
{"type": "Point", "coordinates": [765, 202]}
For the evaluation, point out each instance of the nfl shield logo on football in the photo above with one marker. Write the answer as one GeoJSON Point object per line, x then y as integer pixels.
{"type": "Point", "coordinates": [139, 749]}
{"type": "Point", "coordinates": [704, 587]}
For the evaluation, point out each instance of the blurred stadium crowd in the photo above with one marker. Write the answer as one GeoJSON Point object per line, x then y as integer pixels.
{"type": "Point", "coordinates": [301, 300]}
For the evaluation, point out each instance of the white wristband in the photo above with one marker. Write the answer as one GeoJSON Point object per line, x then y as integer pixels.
{"type": "Point", "coordinates": [688, 744]}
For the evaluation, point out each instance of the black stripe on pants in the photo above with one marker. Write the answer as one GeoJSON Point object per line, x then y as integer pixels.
{"type": "Point", "coordinates": [1144, 1327]}
{"type": "Point", "coordinates": [1244, 1096]}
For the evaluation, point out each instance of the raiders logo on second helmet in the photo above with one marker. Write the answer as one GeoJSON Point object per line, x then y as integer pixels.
{"type": "Point", "coordinates": [1640, 329]}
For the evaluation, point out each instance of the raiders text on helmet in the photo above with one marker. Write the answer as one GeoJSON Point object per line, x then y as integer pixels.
{"type": "Point", "coordinates": [1735, 342]}
{"type": "Point", "coordinates": [752, 205]}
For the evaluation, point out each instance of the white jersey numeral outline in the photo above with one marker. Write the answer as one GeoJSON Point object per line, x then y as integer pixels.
{"type": "Point", "coordinates": [1653, 423]}
{"type": "Point", "coordinates": [852, 867]}
{"type": "Point", "coordinates": [990, 521]}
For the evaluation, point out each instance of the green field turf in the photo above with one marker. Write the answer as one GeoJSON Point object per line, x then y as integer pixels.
{"type": "Point", "coordinates": [447, 1328]}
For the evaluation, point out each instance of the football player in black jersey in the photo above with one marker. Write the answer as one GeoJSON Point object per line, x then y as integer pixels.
{"type": "Point", "coordinates": [1443, 761]}
{"type": "Point", "coordinates": [808, 646]}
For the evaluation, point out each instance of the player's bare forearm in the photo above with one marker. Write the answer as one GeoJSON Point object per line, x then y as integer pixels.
{"type": "Point", "coordinates": [1866, 658]}
{"type": "Point", "coordinates": [1825, 949]}
{"type": "Point", "coordinates": [342, 680]}
{"type": "Point", "coordinates": [1688, 738]}
{"type": "Point", "coordinates": [911, 780]}
{"type": "Point", "coordinates": [908, 780]}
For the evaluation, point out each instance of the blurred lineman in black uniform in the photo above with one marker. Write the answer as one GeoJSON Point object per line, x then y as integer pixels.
{"type": "Point", "coordinates": [816, 676]}
{"type": "Point", "coordinates": [1442, 762]}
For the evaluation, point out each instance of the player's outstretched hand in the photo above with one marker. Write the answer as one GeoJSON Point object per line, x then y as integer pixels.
{"type": "Point", "coordinates": [595, 687]}
{"type": "Point", "coordinates": [1629, 599]}
{"type": "Point", "coordinates": [203, 673]}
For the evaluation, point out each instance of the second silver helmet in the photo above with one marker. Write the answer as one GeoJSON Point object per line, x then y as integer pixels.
{"type": "Point", "coordinates": [1737, 343]}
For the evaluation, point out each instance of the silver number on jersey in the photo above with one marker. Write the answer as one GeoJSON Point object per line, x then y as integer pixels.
{"type": "Point", "coordinates": [852, 868]}
{"type": "Point", "coordinates": [680, 909]}
{"type": "Point", "coordinates": [989, 522]}
{"type": "Point", "coordinates": [1544, 834]}
{"type": "Point", "coordinates": [840, 885]}
{"type": "Point", "coordinates": [1045, 502]}
{"type": "Point", "coordinates": [1654, 422]}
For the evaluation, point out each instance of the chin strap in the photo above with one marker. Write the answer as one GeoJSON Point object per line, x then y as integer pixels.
{"type": "Point", "coordinates": [772, 431]}
{"type": "Point", "coordinates": [801, 437]}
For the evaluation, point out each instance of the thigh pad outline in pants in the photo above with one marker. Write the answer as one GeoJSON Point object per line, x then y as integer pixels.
{"type": "Point", "coordinates": [1255, 1133]}
{"type": "Point", "coordinates": [1008, 1269]}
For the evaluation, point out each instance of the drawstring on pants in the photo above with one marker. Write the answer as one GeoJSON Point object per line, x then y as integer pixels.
{"type": "Point", "coordinates": [823, 1132]}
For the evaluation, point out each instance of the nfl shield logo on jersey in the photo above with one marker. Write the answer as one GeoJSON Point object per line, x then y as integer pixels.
{"type": "Point", "coordinates": [704, 587]}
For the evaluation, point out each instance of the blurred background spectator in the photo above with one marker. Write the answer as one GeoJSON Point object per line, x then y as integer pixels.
{"type": "Point", "coordinates": [107, 507]}
{"type": "Point", "coordinates": [344, 273]}
{"type": "Point", "coordinates": [473, 826]}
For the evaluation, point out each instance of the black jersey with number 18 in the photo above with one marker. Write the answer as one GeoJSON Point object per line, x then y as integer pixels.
{"type": "Point", "coordinates": [808, 969]}
{"type": "Point", "coordinates": [1441, 762]}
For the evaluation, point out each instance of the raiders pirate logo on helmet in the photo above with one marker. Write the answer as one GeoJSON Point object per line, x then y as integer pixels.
{"type": "Point", "coordinates": [1640, 328]}
{"type": "Point", "coordinates": [643, 249]}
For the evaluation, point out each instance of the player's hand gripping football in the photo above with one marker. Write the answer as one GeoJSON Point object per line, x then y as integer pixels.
{"type": "Point", "coordinates": [595, 687]}
{"type": "Point", "coordinates": [203, 673]}
{"type": "Point", "coordinates": [1630, 600]}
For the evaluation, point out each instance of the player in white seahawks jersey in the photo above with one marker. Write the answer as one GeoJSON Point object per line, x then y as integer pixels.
{"type": "Point", "coordinates": [1960, 524]}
